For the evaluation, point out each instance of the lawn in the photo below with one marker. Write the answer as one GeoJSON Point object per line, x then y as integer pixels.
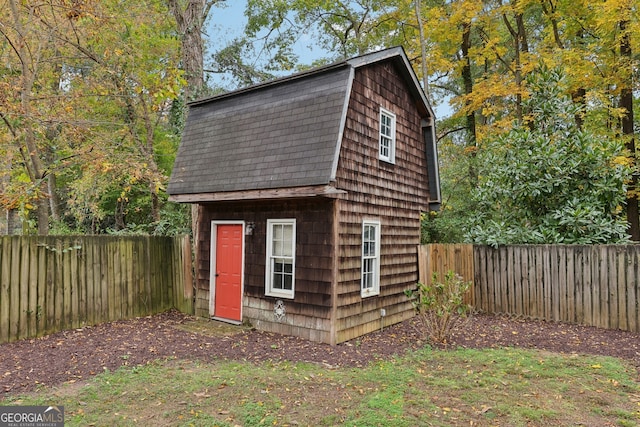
{"type": "Point", "coordinates": [490, 387]}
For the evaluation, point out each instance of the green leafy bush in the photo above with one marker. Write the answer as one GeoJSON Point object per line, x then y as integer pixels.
{"type": "Point", "coordinates": [440, 307]}
{"type": "Point", "coordinates": [549, 181]}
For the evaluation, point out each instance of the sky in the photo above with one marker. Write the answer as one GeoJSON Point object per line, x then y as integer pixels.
{"type": "Point", "coordinates": [226, 22]}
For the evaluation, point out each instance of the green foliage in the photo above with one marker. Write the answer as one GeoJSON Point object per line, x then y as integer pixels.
{"type": "Point", "coordinates": [440, 306]}
{"type": "Point", "coordinates": [548, 181]}
{"type": "Point", "coordinates": [457, 171]}
{"type": "Point", "coordinates": [175, 219]}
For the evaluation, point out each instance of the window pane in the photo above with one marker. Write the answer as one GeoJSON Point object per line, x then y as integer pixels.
{"type": "Point", "coordinates": [287, 238]}
{"type": "Point", "coordinates": [277, 232]}
{"type": "Point", "coordinates": [367, 265]}
{"type": "Point", "coordinates": [367, 274]}
{"type": "Point", "coordinates": [277, 281]}
{"type": "Point", "coordinates": [367, 249]}
{"type": "Point", "coordinates": [384, 146]}
{"type": "Point", "coordinates": [287, 282]}
{"type": "Point", "coordinates": [282, 274]}
{"type": "Point", "coordinates": [277, 247]}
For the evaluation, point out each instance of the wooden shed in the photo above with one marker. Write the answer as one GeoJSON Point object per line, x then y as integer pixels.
{"type": "Point", "coordinates": [309, 191]}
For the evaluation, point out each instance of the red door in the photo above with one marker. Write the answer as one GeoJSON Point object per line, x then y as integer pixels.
{"type": "Point", "coordinates": [228, 272]}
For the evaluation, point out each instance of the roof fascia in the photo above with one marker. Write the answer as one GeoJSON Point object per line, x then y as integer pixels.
{"type": "Point", "coordinates": [398, 54]}
{"type": "Point", "coordinates": [343, 121]}
{"type": "Point", "coordinates": [433, 172]}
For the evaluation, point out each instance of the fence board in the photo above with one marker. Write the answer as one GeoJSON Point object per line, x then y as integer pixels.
{"type": "Point", "coordinates": [15, 289]}
{"type": "Point", "coordinates": [52, 283]}
{"type": "Point", "coordinates": [32, 286]}
{"type": "Point", "coordinates": [529, 284]}
{"type": "Point", "coordinates": [5, 266]}
{"type": "Point", "coordinates": [492, 305]}
{"type": "Point", "coordinates": [23, 308]}
{"type": "Point", "coordinates": [562, 284]}
{"type": "Point", "coordinates": [632, 295]}
{"type": "Point", "coordinates": [603, 294]}
{"type": "Point", "coordinates": [517, 279]}
{"type": "Point", "coordinates": [570, 286]}
{"type": "Point", "coordinates": [510, 283]}
{"type": "Point", "coordinates": [41, 289]}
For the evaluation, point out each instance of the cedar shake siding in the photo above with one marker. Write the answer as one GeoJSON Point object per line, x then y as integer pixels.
{"type": "Point", "coordinates": [308, 315]}
{"type": "Point", "coordinates": [395, 194]}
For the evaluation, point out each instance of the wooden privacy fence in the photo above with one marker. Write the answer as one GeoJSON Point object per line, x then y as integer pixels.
{"type": "Point", "coordinates": [439, 258]}
{"type": "Point", "coordinates": [48, 284]}
{"type": "Point", "coordinates": [593, 285]}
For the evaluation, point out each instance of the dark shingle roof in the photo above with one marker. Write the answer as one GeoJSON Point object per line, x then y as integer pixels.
{"type": "Point", "coordinates": [274, 136]}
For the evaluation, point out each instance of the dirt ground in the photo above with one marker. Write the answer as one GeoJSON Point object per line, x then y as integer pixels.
{"type": "Point", "coordinates": [79, 354]}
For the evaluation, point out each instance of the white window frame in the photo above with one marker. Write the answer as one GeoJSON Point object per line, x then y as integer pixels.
{"type": "Point", "coordinates": [387, 136]}
{"type": "Point", "coordinates": [270, 290]}
{"type": "Point", "coordinates": [370, 266]}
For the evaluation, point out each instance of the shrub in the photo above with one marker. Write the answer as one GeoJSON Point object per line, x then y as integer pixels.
{"type": "Point", "coordinates": [440, 306]}
{"type": "Point", "coordinates": [549, 180]}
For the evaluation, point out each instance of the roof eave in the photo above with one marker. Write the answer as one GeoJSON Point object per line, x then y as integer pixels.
{"type": "Point", "coordinates": [328, 191]}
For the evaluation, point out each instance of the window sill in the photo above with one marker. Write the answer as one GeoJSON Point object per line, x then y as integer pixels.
{"type": "Point", "coordinates": [369, 293]}
{"type": "Point", "coordinates": [280, 295]}
{"type": "Point", "coordinates": [387, 161]}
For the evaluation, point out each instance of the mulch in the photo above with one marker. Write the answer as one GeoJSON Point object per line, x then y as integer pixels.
{"type": "Point", "coordinates": [77, 355]}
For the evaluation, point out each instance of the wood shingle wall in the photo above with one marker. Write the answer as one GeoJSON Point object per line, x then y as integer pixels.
{"type": "Point", "coordinates": [309, 313]}
{"type": "Point", "coordinates": [395, 194]}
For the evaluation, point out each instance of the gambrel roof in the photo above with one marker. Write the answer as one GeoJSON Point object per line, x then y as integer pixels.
{"type": "Point", "coordinates": [275, 139]}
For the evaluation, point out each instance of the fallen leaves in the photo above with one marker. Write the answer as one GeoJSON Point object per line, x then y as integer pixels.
{"type": "Point", "coordinates": [71, 355]}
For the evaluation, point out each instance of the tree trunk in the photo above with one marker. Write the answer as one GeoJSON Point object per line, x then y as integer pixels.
{"type": "Point", "coordinates": [520, 45]}
{"type": "Point", "coordinates": [423, 48]}
{"type": "Point", "coordinates": [30, 152]}
{"type": "Point", "coordinates": [577, 95]}
{"type": "Point", "coordinates": [468, 89]}
{"type": "Point", "coordinates": [54, 198]}
{"type": "Point", "coordinates": [190, 20]}
{"type": "Point", "coordinates": [626, 102]}
{"type": "Point", "coordinates": [468, 80]}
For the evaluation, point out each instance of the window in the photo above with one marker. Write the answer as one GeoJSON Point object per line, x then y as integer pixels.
{"type": "Point", "coordinates": [370, 258]}
{"type": "Point", "coordinates": [281, 255]}
{"type": "Point", "coordinates": [387, 136]}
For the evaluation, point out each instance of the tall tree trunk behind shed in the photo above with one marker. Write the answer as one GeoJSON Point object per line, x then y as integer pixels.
{"type": "Point", "coordinates": [626, 102]}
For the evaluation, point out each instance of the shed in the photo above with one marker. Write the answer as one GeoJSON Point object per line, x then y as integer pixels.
{"type": "Point", "coordinates": [309, 191]}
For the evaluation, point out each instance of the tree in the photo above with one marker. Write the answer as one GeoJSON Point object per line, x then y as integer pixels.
{"type": "Point", "coordinates": [84, 97]}
{"type": "Point", "coordinates": [550, 182]}
{"type": "Point", "coordinates": [130, 92]}
{"type": "Point", "coordinates": [627, 119]}
{"type": "Point", "coordinates": [190, 16]}
{"type": "Point", "coordinates": [344, 28]}
{"type": "Point", "coordinates": [30, 43]}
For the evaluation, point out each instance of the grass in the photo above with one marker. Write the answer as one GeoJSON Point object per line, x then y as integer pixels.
{"type": "Point", "coordinates": [501, 387]}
